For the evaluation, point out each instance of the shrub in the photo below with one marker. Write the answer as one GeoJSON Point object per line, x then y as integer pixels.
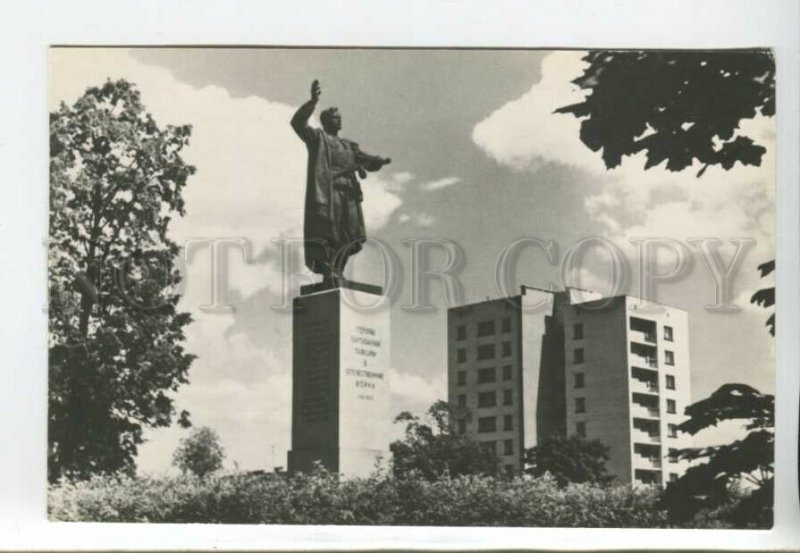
{"type": "Point", "coordinates": [322, 498]}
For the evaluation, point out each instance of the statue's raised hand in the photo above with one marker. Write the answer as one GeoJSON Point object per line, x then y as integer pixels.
{"type": "Point", "coordinates": [315, 90]}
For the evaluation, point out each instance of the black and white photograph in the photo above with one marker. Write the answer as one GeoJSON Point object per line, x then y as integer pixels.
{"type": "Point", "coordinates": [412, 286]}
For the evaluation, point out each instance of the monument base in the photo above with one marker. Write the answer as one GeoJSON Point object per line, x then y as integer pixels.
{"type": "Point", "coordinates": [340, 380]}
{"type": "Point", "coordinates": [326, 285]}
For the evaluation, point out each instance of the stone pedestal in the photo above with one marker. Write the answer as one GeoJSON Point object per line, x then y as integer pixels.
{"type": "Point", "coordinates": [340, 380]}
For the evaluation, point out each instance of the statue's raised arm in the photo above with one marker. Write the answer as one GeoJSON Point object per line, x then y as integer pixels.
{"type": "Point", "coordinates": [300, 119]}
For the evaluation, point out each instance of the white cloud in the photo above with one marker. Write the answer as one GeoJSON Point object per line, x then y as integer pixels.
{"type": "Point", "coordinates": [525, 131]}
{"type": "Point", "coordinates": [425, 220]}
{"type": "Point", "coordinates": [380, 199]}
{"type": "Point", "coordinates": [408, 388]}
{"type": "Point", "coordinates": [402, 178]}
{"type": "Point", "coordinates": [421, 219]}
{"type": "Point", "coordinates": [438, 184]}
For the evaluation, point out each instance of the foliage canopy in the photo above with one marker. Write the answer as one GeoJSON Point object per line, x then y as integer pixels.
{"type": "Point", "coordinates": [200, 453]}
{"type": "Point", "coordinates": [715, 478]}
{"type": "Point", "coordinates": [115, 351]}
{"type": "Point", "coordinates": [572, 459]}
{"type": "Point", "coordinates": [676, 106]}
{"type": "Point", "coordinates": [433, 448]}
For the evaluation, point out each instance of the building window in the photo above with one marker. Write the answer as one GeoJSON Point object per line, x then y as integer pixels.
{"type": "Point", "coordinates": [508, 422]}
{"type": "Point", "coordinates": [673, 477]}
{"type": "Point", "coordinates": [673, 455]}
{"type": "Point", "coordinates": [506, 349]}
{"type": "Point", "coordinates": [507, 324]}
{"type": "Point", "coordinates": [580, 405]}
{"type": "Point", "coordinates": [669, 357]}
{"type": "Point", "coordinates": [491, 447]}
{"type": "Point", "coordinates": [486, 351]}
{"type": "Point", "coordinates": [508, 397]}
{"type": "Point", "coordinates": [671, 408]}
{"type": "Point", "coordinates": [462, 400]}
{"type": "Point", "coordinates": [668, 333]}
{"type": "Point", "coordinates": [577, 356]}
{"type": "Point", "coordinates": [461, 332]}
{"type": "Point", "coordinates": [579, 382]}
{"type": "Point", "coordinates": [487, 424]}
{"type": "Point", "coordinates": [507, 372]}
{"type": "Point", "coordinates": [577, 331]}
{"type": "Point", "coordinates": [461, 378]}
{"type": "Point", "coordinates": [670, 382]}
{"type": "Point", "coordinates": [580, 429]}
{"type": "Point", "coordinates": [462, 426]}
{"type": "Point", "coordinates": [485, 328]}
{"type": "Point", "coordinates": [672, 429]}
{"type": "Point", "coordinates": [487, 399]}
{"type": "Point", "coordinates": [508, 447]}
{"type": "Point", "coordinates": [486, 375]}
{"type": "Point", "coordinates": [461, 355]}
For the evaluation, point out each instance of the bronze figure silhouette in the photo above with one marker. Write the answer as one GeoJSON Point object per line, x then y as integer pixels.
{"type": "Point", "coordinates": [334, 221]}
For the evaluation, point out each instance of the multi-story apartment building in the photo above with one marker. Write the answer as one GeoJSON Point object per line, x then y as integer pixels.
{"type": "Point", "coordinates": [567, 363]}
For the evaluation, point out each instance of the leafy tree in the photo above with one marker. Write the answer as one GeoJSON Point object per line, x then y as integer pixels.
{"type": "Point", "coordinates": [115, 350]}
{"type": "Point", "coordinates": [572, 459]}
{"type": "Point", "coordinates": [765, 297]}
{"type": "Point", "coordinates": [200, 453]}
{"type": "Point", "coordinates": [709, 484]}
{"type": "Point", "coordinates": [433, 448]}
{"type": "Point", "coordinates": [678, 107]}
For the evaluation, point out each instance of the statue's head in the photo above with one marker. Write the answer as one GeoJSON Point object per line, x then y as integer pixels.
{"type": "Point", "coordinates": [331, 120]}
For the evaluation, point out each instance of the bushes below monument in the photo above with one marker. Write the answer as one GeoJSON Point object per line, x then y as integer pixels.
{"type": "Point", "coordinates": [379, 500]}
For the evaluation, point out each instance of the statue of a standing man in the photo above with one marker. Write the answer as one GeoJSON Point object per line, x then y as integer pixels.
{"type": "Point", "coordinates": [334, 223]}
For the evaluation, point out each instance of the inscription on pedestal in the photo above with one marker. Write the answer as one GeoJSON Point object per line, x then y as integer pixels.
{"type": "Point", "coordinates": [366, 347]}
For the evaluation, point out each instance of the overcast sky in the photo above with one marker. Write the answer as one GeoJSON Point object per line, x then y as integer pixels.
{"type": "Point", "coordinates": [479, 158]}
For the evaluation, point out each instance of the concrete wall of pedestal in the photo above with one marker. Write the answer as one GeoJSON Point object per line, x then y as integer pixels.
{"type": "Point", "coordinates": [341, 389]}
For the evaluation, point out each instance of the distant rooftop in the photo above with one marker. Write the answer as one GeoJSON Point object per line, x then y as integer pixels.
{"type": "Point", "coordinates": [576, 296]}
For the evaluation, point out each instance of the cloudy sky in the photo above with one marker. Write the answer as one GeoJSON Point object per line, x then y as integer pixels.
{"type": "Point", "coordinates": [479, 158]}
